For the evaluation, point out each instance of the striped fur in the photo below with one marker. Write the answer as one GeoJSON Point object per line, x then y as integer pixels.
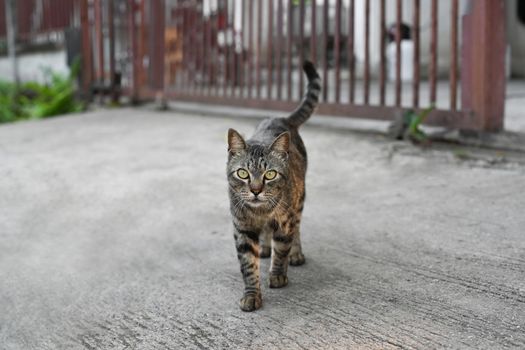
{"type": "Point", "coordinates": [310, 99]}
{"type": "Point", "coordinates": [266, 210]}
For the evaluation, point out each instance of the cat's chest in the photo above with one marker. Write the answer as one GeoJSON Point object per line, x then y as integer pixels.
{"type": "Point", "coordinates": [258, 219]}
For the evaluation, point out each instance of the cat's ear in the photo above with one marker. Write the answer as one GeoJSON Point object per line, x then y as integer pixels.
{"type": "Point", "coordinates": [282, 143]}
{"type": "Point", "coordinates": [235, 142]}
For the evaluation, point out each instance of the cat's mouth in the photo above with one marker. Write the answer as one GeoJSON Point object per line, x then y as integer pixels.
{"type": "Point", "coordinates": [256, 202]}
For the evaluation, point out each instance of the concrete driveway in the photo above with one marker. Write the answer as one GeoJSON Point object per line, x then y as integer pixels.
{"type": "Point", "coordinates": [115, 234]}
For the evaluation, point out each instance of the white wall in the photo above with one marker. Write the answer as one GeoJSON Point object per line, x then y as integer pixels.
{"type": "Point", "coordinates": [31, 66]}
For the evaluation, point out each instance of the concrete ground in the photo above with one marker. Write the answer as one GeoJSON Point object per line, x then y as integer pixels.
{"type": "Point", "coordinates": [115, 234]}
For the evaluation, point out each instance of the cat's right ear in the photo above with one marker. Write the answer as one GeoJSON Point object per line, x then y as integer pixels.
{"type": "Point", "coordinates": [236, 143]}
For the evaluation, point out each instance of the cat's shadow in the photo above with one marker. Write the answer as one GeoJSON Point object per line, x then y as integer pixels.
{"type": "Point", "coordinates": [314, 275]}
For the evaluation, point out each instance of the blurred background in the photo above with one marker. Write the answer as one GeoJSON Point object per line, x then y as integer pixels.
{"type": "Point", "coordinates": [377, 58]}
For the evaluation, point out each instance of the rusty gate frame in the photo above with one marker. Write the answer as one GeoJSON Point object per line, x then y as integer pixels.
{"type": "Point", "coordinates": [482, 65]}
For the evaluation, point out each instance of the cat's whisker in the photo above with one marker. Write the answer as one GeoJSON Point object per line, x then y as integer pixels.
{"type": "Point", "coordinates": [238, 204]}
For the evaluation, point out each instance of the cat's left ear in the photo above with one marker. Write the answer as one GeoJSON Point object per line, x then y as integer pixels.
{"type": "Point", "coordinates": [282, 143]}
{"type": "Point", "coordinates": [235, 142]}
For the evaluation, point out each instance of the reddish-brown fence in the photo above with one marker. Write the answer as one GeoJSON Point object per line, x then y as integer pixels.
{"type": "Point", "coordinates": [248, 53]}
{"type": "Point", "coordinates": [36, 17]}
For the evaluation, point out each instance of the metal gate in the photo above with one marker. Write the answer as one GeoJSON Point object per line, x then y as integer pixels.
{"type": "Point", "coordinates": [377, 58]}
{"type": "Point", "coordinates": [40, 17]}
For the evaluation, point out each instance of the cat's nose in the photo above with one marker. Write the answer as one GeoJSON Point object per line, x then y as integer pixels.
{"type": "Point", "coordinates": [256, 187]}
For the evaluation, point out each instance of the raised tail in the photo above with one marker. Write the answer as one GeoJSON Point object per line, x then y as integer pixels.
{"type": "Point", "coordinates": [310, 99]}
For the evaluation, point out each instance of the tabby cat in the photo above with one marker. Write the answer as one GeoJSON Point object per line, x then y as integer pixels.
{"type": "Point", "coordinates": [266, 186]}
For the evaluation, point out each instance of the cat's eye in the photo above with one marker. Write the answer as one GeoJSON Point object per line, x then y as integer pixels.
{"type": "Point", "coordinates": [243, 174]}
{"type": "Point", "coordinates": [270, 174]}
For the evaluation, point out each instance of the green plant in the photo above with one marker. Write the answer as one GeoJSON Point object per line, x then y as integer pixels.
{"type": "Point", "coordinates": [407, 126]}
{"type": "Point", "coordinates": [414, 132]}
{"type": "Point", "coordinates": [32, 100]}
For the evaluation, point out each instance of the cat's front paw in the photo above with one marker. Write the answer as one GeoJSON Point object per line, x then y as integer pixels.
{"type": "Point", "coordinates": [297, 259]}
{"type": "Point", "coordinates": [251, 302]}
{"type": "Point", "coordinates": [278, 281]}
{"type": "Point", "coordinates": [265, 252]}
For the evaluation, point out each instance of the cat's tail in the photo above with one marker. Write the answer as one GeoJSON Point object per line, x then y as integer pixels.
{"type": "Point", "coordinates": [310, 99]}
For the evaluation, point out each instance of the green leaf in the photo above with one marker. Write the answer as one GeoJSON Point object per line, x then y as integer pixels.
{"type": "Point", "coordinates": [34, 100]}
{"type": "Point", "coordinates": [416, 120]}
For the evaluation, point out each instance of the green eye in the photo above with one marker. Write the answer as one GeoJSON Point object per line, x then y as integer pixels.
{"type": "Point", "coordinates": [243, 174]}
{"type": "Point", "coordinates": [270, 175]}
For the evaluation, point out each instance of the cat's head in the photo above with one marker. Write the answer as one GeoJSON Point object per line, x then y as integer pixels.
{"type": "Point", "coordinates": [257, 174]}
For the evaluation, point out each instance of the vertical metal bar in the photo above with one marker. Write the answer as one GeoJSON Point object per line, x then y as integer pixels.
{"type": "Point", "coordinates": [197, 38]}
{"type": "Point", "coordinates": [313, 34]}
{"type": "Point", "coordinates": [259, 44]}
{"type": "Point", "coordinates": [175, 21]}
{"type": "Point", "coordinates": [179, 71]}
{"type": "Point", "coordinates": [416, 61]}
{"type": "Point", "coordinates": [367, 53]}
{"type": "Point", "coordinates": [233, 53]}
{"type": "Point", "coordinates": [454, 55]}
{"type": "Point", "coordinates": [196, 47]}
{"type": "Point", "coordinates": [382, 68]}
{"type": "Point", "coordinates": [350, 54]}
{"type": "Point", "coordinates": [86, 49]}
{"type": "Point", "coordinates": [225, 49]}
{"type": "Point", "coordinates": [213, 56]}
{"type": "Point", "coordinates": [134, 53]}
{"type": "Point", "coordinates": [289, 51]}
{"type": "Point", "coordinates": [433, 51]}
{"type": "Point", "coordinates": [112, 76]}
{"type": "Point", "coordinates": [215, 52]}
{"type": "Point", "coordinates": [337, 50]}
{"type": "Point", "coordinates": [203, 49]}
{"type": "Point", "coordinates": [188, 47]}
{"type": "Point", "coordinates": [241, 63]}
{"type": "Point", "coordinates": [270, 47]}
{"type": "Point", "coordinates": [100, 39]}
{"type": "Point", "coordinates": [301, 47]}
{"type": "Point", "coordinates": [184, 66]}
{"type": "Point", "coordinates": [141, 51]}
{"type": "Point", "coordinates": [279, 52]}
{"type": "Point", "coordinates": [399, 12]}
{"type": "Point", "coordinates": [209, 54]}
{"type": "Point", "coordinates": [156, 47]}
{"type": "Point", "coordinates": [325, 51]}
{"type": "Point", "coordinates": [250, 48]}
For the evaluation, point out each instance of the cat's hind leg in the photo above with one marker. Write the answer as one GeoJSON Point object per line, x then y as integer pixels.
{"type": "Point", "coordinates": [282, 239]}
{"type": "Point", "coordinates": [296, 253]}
